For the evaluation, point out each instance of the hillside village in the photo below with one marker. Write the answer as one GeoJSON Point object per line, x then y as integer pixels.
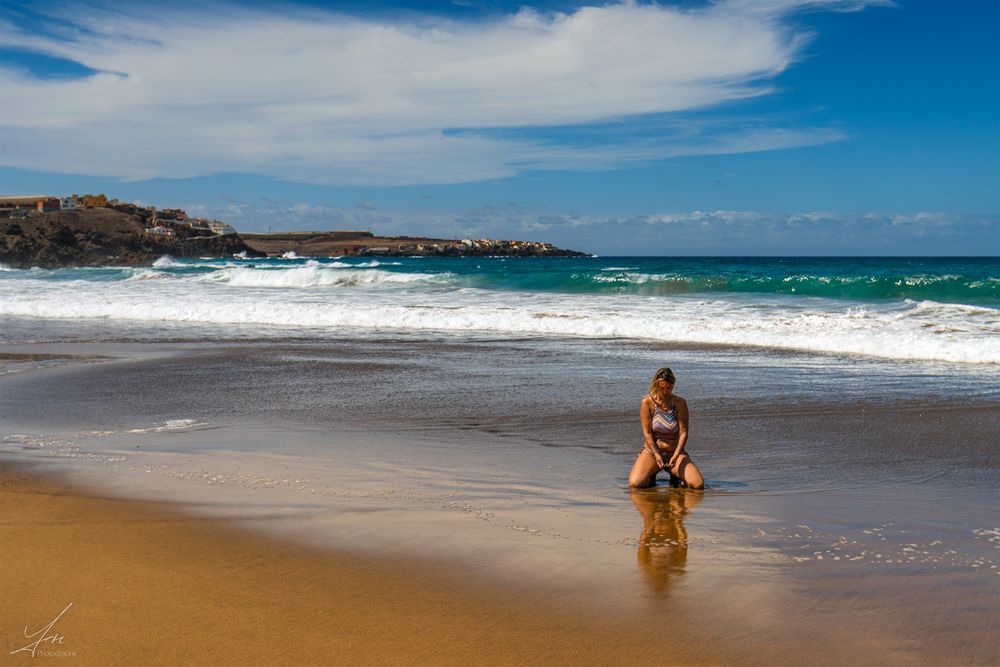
{"type": "Point", "coordinates": [165, 222]}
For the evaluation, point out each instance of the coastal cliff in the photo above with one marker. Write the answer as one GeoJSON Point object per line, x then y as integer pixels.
{"type": "Point", "coordinates": [100, 237]}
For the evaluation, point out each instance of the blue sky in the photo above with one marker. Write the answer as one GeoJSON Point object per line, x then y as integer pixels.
{"type": "Point", "coordinates": [733, 127]}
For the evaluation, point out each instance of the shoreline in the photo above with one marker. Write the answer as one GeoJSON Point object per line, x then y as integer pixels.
{"type": "Point", "coordinates": [475, 517]}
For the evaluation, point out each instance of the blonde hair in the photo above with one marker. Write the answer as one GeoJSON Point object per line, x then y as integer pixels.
{"type": "Point", "coordinates": [660, 377]}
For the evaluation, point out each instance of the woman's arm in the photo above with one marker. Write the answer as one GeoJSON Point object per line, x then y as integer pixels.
{"type": "Point", "coordinates": [646, 417]}
{"type": "Point", "coordinates": [682, 432]}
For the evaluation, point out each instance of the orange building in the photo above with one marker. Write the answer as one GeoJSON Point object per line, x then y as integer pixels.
{"type": "Point", "coordinates": [93, 201]}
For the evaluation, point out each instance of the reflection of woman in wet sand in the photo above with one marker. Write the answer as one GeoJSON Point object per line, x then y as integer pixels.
{"type": "Point", "coordinates": [664, 417]}
{"type": "Point", "coordinates": [663, 544]}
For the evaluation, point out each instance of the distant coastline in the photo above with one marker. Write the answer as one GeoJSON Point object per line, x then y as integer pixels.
{"type": "Point", "coordinates": [92, 230]}
{"type": "Point", "coordinates": [363, 242]}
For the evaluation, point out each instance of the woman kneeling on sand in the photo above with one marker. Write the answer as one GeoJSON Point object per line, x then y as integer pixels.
{"type": "Point", "coordinates": [664, 417]}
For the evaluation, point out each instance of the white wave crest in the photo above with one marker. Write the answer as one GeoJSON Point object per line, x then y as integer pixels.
{"type": "Point", "coordinates": [911, 330]}
{"type": "Point", "coordinates": [166, 262]}
{"type": "Point", "coordinates": [361, 265]}
{"type": "Point", "coordinates": [147, 274]}
{"type": "Point", "coordinates": [312, 275]}
{"type": "Point", "coordinates": [170, 425]}
{"type": "Point", "coordinates": [622, 276]}
{"type": "Point", "coordinates": [291, 254]}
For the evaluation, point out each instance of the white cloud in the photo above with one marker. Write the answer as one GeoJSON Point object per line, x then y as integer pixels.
{"type": "Point", "coordinates": [330, 98]}
{"type": "Point", "coordinates": [784, 6]}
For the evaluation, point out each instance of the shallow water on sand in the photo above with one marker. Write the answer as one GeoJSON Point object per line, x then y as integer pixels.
{"type": "Point", "coordinates": [853, 494]}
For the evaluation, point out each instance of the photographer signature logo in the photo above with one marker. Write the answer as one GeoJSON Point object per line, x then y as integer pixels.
{"type": "Point", "coordinates": [45, 634]}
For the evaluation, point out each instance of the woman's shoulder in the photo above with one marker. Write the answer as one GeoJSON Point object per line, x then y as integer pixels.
{"type": "Point", "coordinates": [680, 400]}
{"type": "Point", "coordinates": [647, 402]}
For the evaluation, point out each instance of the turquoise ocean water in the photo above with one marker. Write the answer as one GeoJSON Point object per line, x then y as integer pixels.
{"type": "Point", "coordinates": [915, 309]}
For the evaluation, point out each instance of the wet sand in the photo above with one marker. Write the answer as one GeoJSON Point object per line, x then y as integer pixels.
{"type": "Point", "coordinates": [292, 522]}
{"type": "Point", "coordinates": [19, 362]}
{"type": "Point", "coordinates": [151, 586]}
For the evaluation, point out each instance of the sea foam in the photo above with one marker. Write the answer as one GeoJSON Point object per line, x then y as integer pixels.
{"type": "Point", "coordinates": [795, 304]}
{"type": "Point", "coordinates": [299, 298]}
{"type": "Point", "coordinates": [312, 275]}
{"type": "Point", "coordinates": [166, 262]}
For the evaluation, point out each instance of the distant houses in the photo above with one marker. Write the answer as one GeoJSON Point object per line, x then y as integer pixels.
{"type": "Point", "coordinates": [15, 206]}
{"type": "Point", "coordinates": [19, 206]}
{"type": "Point", "coordinates": [173, 214]}
{"type": "Point", "coordinates": [465, 247]}
{"type": "Point", "coordinates": [214, 227]}
{"type": "Point", "coordinates": [161, 230]}
{"type": "Point", "coordinates": [93, 201]}
{"type": "Point", "coordinates": [166, 222]}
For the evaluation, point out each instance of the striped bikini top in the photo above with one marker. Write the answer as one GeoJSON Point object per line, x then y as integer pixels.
{"type": "Point", "coordinates": [665, 421]}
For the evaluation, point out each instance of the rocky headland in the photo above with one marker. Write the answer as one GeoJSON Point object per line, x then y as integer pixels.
{"type": "Point", "coordinates": [101, 237]}
{"type": "Point", "coordinates": [132, 236]}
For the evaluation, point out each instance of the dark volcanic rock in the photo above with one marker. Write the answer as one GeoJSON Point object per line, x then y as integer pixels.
{"type": "Point", "coordinates": [97, 237]}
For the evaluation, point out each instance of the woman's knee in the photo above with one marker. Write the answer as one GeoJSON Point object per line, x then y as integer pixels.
{"type": "Point", "coordinates": [639, 482]}
{"type": "Point", "coordinates": [689, 472]}
{"type": "Point", "coordinates": [640, 477]}
{"type": "Point", "coordinates": [643, 471]}
{"type": "Point", "coordinates": [693, 479]}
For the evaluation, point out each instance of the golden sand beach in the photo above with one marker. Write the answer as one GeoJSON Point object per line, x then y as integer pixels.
{"type": "Point", "coordinates": [151, 586]}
